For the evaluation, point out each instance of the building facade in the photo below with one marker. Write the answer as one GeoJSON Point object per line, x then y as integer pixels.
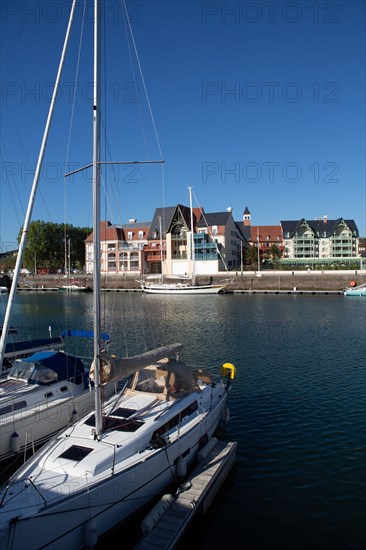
{"type": "Point", "coordinates": [164, 246]}
{"type": "Point", "coordinates": [320, 240]}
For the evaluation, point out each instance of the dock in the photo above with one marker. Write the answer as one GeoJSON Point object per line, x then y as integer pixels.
{"type": "Point", "coordinates": [295, 291]}
{"type": "Point", "coordinates": [192, 499]}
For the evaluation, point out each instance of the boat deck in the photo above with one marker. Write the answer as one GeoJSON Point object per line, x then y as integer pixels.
{"type": "Point", "coordinates": [194, 498]}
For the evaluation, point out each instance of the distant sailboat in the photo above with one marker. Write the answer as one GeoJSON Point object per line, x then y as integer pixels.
{"type": "Point", "coordinates": [164, 287]}
{"type": "Point", "coordinates": [71, 286]}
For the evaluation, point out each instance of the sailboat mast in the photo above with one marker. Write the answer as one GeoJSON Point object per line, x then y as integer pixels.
{"type": "Point", "coordinates": [28, 216]}
{"type": "Point", "coordinates": [69, 256]}
{"type": "Point", "coordinates": [96, 216]}
{"type": "Point", "coordinates": [192, 239]}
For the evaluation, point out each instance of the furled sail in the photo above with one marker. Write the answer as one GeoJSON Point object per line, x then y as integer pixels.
{"type": "Point", "coordinates": [113, 368]}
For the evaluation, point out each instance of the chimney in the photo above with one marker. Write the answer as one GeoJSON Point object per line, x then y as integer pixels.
{"type": "Point", "coordinates": [229, 209]}
{"type": "Point", "coordinates": [132, 220]}
{"type": "Point", "coordinates": [325, 219]}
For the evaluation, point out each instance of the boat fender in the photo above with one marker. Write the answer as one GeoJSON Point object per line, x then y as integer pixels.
{"type": "Point", "coordinates": [181, 468]}
{"type": "Point", "coordinates": [227, 415]}
{"type": "Point", "coordinates": [228, 369]}
{"type": "Point", "coordinates": [155, 514]}
{"type": "Point", "coordinates": [352, 283]}
{"type": "Point", "coordinates": [91, 533]}
{"type": "Point", "coordinates": [15, 442]}
{"type": "Point", "coordinates": [204, 452]}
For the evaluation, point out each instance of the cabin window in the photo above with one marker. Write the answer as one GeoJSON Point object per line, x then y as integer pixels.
{"type": "Point", "coordinates": [123, 412]}
{"type": "Point", "coordinates": [76, 453]}
{"type": "Point", "coordinates": [114, 422]}
{"type": "Point", "coordinates": [175, 420]}
{"type": "Point", "coordinates": [13, 407]}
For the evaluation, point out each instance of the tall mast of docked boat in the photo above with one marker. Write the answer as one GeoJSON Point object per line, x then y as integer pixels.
{"type": "Point", "coordinates": [23, 240]}
{"type": "Point", "coordinates": [96, 216]}
{"type": "Point", "coordinates": [192, 239]}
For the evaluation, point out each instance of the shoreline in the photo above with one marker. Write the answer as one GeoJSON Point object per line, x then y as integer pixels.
{"type": "Point", "coordinates": [278, 282]}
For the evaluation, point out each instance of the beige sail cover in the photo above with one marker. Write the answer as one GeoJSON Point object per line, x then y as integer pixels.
{"type": "Point", "coordinates": [113, 368]}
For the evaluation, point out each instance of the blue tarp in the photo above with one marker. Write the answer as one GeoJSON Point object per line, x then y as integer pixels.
{"type": "Point", "coordinates": [67, 366]}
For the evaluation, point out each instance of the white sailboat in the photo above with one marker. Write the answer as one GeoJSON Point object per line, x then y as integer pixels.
{"type": "Point", "coordinates": [164, 287]}
{"type": "Point", "coordinates": [71, 286]}
{"type": "Point", "coordinates": [96, 474]}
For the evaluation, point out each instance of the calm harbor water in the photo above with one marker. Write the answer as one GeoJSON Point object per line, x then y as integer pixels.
{"type": "Point", "coordinates": [298, 405]}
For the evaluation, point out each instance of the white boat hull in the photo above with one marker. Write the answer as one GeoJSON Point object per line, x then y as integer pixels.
{"type": "Point", "coordinates": [72, 512]}
{"type": "Point", "coordinates": [181, 289]}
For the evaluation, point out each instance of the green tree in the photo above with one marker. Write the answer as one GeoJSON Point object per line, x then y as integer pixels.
{"type": "Point", "coordinates": [274, 254]}
{"type": "Point", "coordinates": [251, 255]}
{"type": "Point", "coordinates": [46, 245]}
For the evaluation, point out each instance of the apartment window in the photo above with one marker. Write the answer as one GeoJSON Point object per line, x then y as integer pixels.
{"type": "Point", "coordinates": [129, 235]}
{"type": "Point", "coordinates": [214, 230]}
{"type": "Point", "coordinates": [141, 234]}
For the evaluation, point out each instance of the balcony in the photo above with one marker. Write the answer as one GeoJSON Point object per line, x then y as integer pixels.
{"type": "Point", "coordinates": [154, 257]}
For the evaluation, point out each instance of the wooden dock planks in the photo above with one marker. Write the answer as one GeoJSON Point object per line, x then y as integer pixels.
{"type": "Point", "coordinates": [194, 497]}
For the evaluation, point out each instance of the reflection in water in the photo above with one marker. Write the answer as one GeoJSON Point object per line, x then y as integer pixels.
{"type": "Point", "coordinates": [298, 405]}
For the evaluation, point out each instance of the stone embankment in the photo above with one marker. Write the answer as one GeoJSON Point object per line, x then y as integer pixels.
{"type": "Point", "coordinates": [250, 280]}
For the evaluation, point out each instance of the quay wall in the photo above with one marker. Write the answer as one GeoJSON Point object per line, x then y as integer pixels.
{"type": "Point", "coordinates": [249, 280]}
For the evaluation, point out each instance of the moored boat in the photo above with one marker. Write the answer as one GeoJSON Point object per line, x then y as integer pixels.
{"type": "Point", "coordinates": [355, 290]}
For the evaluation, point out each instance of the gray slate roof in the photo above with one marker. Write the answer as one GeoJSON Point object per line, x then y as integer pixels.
{"type": "Point", "coordinates": [318, 226]}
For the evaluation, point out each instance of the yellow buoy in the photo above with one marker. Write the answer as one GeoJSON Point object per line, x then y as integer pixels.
{"type": "Point", "coordinates": [228, 368]}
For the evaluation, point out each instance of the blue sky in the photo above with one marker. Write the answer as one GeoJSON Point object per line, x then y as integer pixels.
{"type": "Point", "coordinates": [257, 104]}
